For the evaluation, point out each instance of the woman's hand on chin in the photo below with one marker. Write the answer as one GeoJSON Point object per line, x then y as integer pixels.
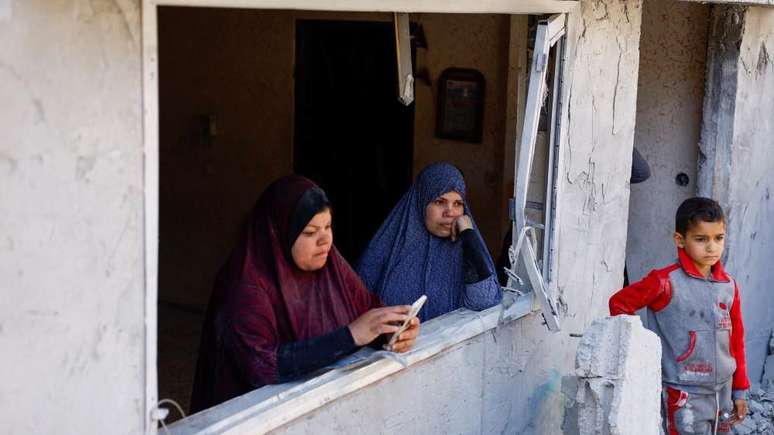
{"type": "Point", "coordinates": [461, 224]}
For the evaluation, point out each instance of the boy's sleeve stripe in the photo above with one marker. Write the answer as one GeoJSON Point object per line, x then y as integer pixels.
{"type": "Point", "coordinates": [741, 381]}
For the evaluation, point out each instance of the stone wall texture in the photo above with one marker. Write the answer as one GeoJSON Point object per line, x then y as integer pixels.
{"type": "Point", "coordinates": [71, 218]}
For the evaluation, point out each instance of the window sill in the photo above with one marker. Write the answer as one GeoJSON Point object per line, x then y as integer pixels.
{"type": "Point", "coordinates": [272, 406]}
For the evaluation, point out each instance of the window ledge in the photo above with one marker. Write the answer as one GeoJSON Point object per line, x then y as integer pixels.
{"type": "Point", "coordinates": [272, 406]}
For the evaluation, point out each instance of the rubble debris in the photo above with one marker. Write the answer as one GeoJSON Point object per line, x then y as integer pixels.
{"type": "Point", "coordinates": [618, 365]}
{"type": "Point", "coordinates": [760, 418]}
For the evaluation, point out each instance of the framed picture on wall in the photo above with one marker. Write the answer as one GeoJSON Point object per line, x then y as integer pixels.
{"type": "Point", "coordinates": [460, 113]}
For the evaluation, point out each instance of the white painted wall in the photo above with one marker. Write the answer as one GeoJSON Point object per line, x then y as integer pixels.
{"type": "Point", "coordinates": [472, 388]}
{"type": "Point", "coordinates": [71, 200]}
{"type": "Point", "coordinates": [669, 107]}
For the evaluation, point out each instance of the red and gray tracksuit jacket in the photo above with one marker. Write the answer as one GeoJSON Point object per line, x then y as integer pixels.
{"type": "Point", "coordinates": [699, 322]}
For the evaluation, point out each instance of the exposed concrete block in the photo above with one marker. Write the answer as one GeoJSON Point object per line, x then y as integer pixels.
{"type": "Point", "coordinates": [618, 365]}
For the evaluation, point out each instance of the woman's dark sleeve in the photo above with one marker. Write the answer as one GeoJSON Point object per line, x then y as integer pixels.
{"type": "Point", "coordinates": [301, 357]}
{"type": "Point", "coordinates": [477, 264]}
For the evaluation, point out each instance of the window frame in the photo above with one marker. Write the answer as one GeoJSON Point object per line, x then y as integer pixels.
{"type": "Point", "coordinates": [150, 104]}
{"type": "Point", "coordinates": [551, 32]}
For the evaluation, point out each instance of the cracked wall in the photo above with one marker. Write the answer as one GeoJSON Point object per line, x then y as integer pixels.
{"type": "Point", "coordinates": [751, 208]}
{"type": "Point", "coordinates": [739, 131]}
{"type": "Point", "coordinates": [71, 200]}
{"type": "Point", "coordinates": [593, 195]}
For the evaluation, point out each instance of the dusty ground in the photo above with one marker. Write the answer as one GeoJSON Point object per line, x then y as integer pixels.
{"type": "Point", "coordinates": [761, 402]}
{"type": "Point", "coordinates": [761, 417]}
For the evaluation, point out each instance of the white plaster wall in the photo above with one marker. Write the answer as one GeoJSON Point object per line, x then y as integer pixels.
{"type": "Point", "coordinates": [510, 381]}
{"type": "Point", "coordinates": [670, 93]}
{"type": "Point", "coordinates": [71, 198]}
{"type": "Point", "coordinates": [750, 206]}
{"type": "Point", "coordinates": [471, 388]}
{"type": "Point", "coordinates": [422, 400]}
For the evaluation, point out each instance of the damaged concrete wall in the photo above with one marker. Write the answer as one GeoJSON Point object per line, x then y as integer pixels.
{"type": "Point", "coordinates": [71, 201]}
{"type": "Point", "coordinates": [618, 362]}
{"type": "Point", "coordinates": [751, 208]}
{"type": "Point", "coordinates": [739, 130]}
{"type": "Point", "coordinates": [593, 197]}
{"type": "Point", "coordinates": [670, 93]}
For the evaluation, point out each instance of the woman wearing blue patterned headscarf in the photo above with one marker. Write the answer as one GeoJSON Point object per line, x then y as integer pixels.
{"type": "Point", "coordinates": [430, 245]}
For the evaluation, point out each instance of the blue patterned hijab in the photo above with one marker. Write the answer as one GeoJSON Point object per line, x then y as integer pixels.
{"type": "Point", "coordinates": [404, 261]}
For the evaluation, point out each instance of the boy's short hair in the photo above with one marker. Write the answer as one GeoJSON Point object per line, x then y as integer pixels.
{"type": "Point", "coordinates": [696, 209]}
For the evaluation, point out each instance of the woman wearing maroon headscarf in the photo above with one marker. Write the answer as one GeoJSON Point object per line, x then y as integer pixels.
{"type": "Point", "coordinates": [286, 303]}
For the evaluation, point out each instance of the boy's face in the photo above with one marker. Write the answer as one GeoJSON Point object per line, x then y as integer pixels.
{"type": "Point", "coordinates": [704, 243]}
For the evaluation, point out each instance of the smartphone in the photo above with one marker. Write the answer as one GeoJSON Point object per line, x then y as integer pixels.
{"type": "Point", "coordinates": [415, 307]}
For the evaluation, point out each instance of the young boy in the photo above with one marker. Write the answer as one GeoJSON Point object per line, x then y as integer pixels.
{"type": "Point", "coordinates": [693, 306]}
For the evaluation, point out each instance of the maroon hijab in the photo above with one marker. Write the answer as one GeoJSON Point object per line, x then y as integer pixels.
{"type": "Point", "coordinates": [262, 300]}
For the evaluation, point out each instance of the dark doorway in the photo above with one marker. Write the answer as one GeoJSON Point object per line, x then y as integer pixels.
{"type": "Point", "coordinates": [352, 136]}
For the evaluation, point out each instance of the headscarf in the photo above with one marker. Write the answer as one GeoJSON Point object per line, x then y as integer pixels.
{"type": "Point", "coordinates": [404, 260]}
{"type": "Point", "coordinates": [261, 299]}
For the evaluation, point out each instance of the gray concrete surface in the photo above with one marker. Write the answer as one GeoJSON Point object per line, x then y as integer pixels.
{"type": "Point", "coordinates": [71, 225]}
{"type": "Point", "coordinates": [738, 129]}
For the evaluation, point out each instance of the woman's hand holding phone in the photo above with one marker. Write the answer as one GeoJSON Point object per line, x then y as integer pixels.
{"type": "Point", "coordinates": [401, 321]}
{"type": "Point", "coordinates": [378, 321]}
{"type": "Point", "coordinates": [407, 338]}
